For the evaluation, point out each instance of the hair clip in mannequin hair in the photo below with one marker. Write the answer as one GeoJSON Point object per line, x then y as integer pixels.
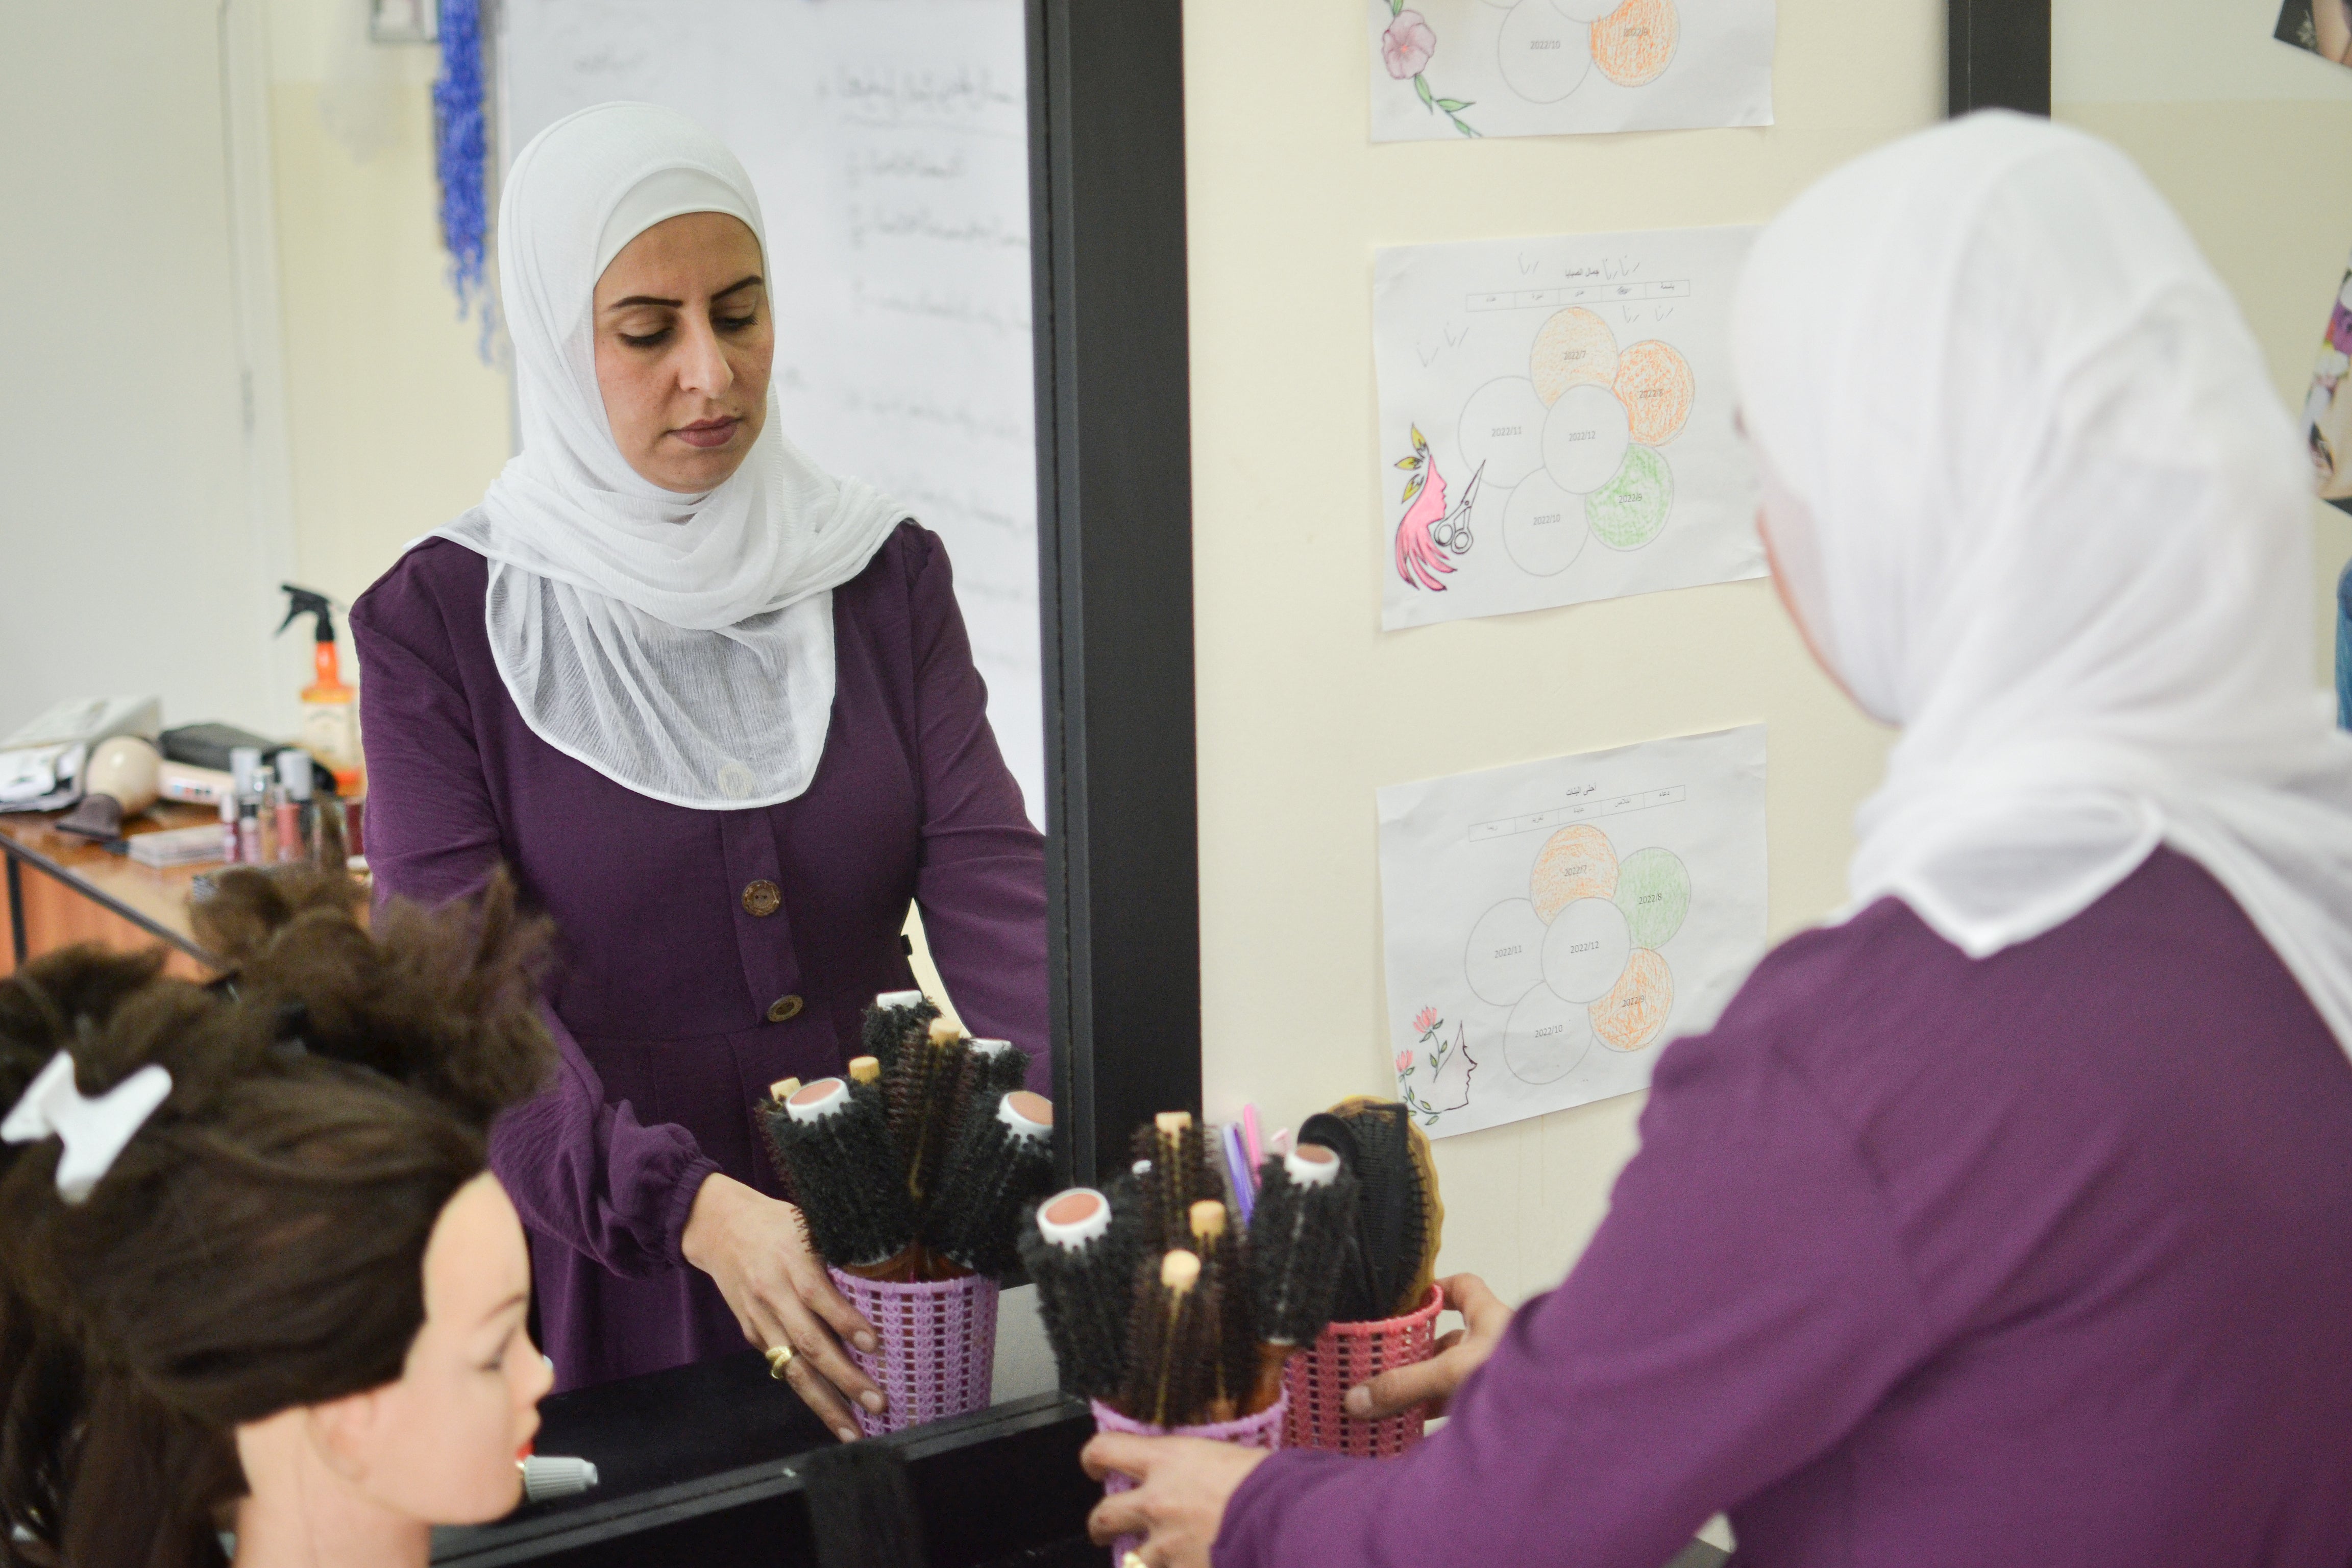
{"type": "Point", "coordinates": [93, 1129]}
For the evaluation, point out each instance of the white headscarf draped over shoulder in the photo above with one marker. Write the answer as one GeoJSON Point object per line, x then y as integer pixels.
{"type": "Point", "coordinates": [2059, 534]}
{"type": "Point", "coordinates": [679, 645]}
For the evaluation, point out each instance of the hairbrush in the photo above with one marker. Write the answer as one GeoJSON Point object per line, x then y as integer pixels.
{"type": "Point", "coordinates": [922, 1091]}
{"type": "Point", "coordinates": [1224, 1268]}
{"type": "Point", "coordinates": [1003, 1161]}
{"type": "Point", "coordinates": [896, 1019]}
{"type": "Point", "coordinates": [1399, 1220]}
{"type": "Point", "coordinates": [837, 1149]}
{"type": "Point", "coordinates": [778, 1092]}
{"type": "Point", "coordinates": [1171, 1365]}
{"type": "Point", "coordinates": [1298, 1237]}
{"type": "Point", "coordinates": [1081, 1252]}
{"type": "Point", "coordinates": [1174, 1173]}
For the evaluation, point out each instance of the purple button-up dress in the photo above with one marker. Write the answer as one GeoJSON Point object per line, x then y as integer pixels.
{"type": "Point", "coordinates": [668, 979]}
{"type": "Point", "coordinates": [2041, 1261]}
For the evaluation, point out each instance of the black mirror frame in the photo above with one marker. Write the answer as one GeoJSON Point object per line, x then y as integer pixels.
{"type": "Point", "coordinates": [1997, 56]}
{"type": "Point", "coordinates": [1114, 553]}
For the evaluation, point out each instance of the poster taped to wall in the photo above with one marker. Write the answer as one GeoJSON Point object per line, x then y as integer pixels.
{"type": "Point", "coordinates": [1556, 422]}
{"type": "Point", "coordinates": [1550, 927]}
{"type": "Point", "coordinates": [1443, 69]}
{"type": "Point", "coordinates": [2327, 407]}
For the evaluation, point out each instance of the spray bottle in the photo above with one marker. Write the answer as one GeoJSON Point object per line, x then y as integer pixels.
{"type": "Point", "coordinates": [331, 711]}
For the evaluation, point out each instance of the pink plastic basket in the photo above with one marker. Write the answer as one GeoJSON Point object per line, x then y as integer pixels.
{"type": "Point", "coordinates": [939, 1346]}
{"type": "Point", "coordinates": [1316, 1381]}
{"type": "Point", "coordinates": [1263, 1430]}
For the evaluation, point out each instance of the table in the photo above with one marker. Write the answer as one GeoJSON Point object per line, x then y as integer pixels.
{"type": "Point", "coordinates": [61, 888]}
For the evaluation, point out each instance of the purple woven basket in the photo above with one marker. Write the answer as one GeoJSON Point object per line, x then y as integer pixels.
{"type": "Point", "coordinates": [1263, 1430]}
{"type": "Point", "coordinates": [939, 1346]}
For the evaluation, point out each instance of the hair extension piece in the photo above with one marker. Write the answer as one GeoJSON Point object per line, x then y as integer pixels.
{"type": "Point", "coordinates": [1306, 1202]}
{"type": "Point", "coordinates": [1170, 1358]}
{"type": "Point", "coordinates": [896, 1019]}
{"type": "Point", "coordinates": [1081, 1249]}
{"type": "Point", "coordinates": [834, 1142]}
{"type": "Point", "coordinates": [1000, 1164]}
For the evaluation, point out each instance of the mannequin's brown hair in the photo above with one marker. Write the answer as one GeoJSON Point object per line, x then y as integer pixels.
{"type": "Point", "coordinates": [260, 1243]}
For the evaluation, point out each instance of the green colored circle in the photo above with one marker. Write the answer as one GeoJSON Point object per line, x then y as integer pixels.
{"type": "Point", "coordinates": [1628, 511]}
{"type": "Point", "coordinates": [1654, 892]}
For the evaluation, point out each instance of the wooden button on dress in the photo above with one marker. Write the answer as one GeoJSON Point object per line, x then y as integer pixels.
{"type": "Point", "coordinates": [762, 898]}
{"type": "Point", "coordinates": [783, 1008]}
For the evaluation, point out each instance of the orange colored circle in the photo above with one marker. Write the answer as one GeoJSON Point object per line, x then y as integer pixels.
{"type": "Point", "coordinates": [1634, 44]}
{"type": "Point", "coordinates": [1574, 348]}
{"type": "Point", "coordinates": [1574, 863]}
{"type": "Point", "coordinates": [1654, 383]}
{"type": "Point", "coordinates": [1635, 1009]}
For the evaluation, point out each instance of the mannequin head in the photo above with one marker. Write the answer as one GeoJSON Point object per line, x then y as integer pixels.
{"type": "Point", "coordinates": [300, 1239]}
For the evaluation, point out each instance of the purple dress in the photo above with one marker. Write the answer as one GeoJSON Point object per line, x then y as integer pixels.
{"type": "Point", "coordinates": [2044, 1259]}
{"type": "Point", "coordinates": [704, 954]}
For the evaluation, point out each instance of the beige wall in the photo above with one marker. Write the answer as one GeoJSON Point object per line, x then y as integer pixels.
{"type": "Point", "coordinates": [396, 424]}
{"type": "Point", "coordinates": [1305, 706]}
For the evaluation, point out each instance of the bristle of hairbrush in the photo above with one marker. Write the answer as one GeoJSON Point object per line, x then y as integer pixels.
{"type": "Point", "coordinates": [921, 1091]}
{"type": "Point", "coordinates": [764, 1114]}
{"type": "Point", "coordinates": [1393, 1242]}
{"type": "Point", "coordinates": [1084, 1297]}
{"type": "Point", "coordinates": [846, 1174]}
{"type": "Point", "coordinates": [1297, 1240]}
{"type": "Point", "coordinates": [1234, 1354]}
{"type": "Point", "coordinates": [991, 1173]}
{"type": "Point", "coordinates": [1180, 1175]}
{"type": "Point", "coordinates": [1171, 1361]}
{"type": "Point", "coordinates": [884, 1030]}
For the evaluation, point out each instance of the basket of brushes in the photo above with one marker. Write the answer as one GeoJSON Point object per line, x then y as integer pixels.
{"type": "Point", "coordinates": [1168, 1317]}
{"type": "Point", "coordinates": [912, 1174]}
{"type": "Point", "coordinates": [1384, 1311]}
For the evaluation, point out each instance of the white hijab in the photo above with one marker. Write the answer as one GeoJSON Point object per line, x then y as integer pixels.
{"type": "Point", "coordinates": [679, 645]}
{"type": "Point", "coordinates": [2058, 533]}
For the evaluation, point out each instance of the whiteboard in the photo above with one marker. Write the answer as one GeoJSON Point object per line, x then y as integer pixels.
{"type": "Point", "coordinates": [889, 140]}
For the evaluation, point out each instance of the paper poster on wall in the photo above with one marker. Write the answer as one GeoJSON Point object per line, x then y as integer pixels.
{"type": "Point", "coordinates": [1556, 422]}
{"type": "Point", "coordinates": [2323, 26]}
{"type": "Point", "coordinates": [1550, 927]}
{"type": "Point", "coordinates": [1546, 68]}
{"type": "Point", "coordinates": [2327, 407]}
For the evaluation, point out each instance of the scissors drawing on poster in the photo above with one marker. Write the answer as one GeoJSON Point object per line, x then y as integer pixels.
{"type": "Point", "coordinates": [1576, 442]}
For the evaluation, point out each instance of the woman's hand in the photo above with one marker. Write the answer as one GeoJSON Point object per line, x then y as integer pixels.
{"type": "Point", "coordinates": [1459, 1354]}
{"type": "Point", "coordinates": [1180, 1502]}
{"type": "Point", "coordinates": [757, 1251]}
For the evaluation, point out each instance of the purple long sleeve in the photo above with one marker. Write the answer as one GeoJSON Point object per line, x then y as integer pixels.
{"type": "Point", "coordinates": [703, 954]}
{"type": "Point", "coordinates": [1928, 1263]}
{"type": "Point", "coordinates": [982, 899]}
{"type": "Point", "coordinates": [579, 1169]}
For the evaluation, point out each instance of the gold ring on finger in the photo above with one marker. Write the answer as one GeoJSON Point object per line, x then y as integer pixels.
{"type": "Point", "coordinates": [779, 1358]}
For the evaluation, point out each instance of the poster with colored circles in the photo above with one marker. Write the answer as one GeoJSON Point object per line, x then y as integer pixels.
{"type": "Point", "coordinates": [1548, 927]}
{"type": "Point", "coordinates": [1466, 69]}
{"type": "Point", "coordinates": [1556, 422]}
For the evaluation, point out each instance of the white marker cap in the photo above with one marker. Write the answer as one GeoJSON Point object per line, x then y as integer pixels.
{"type": "Point", "coordinates": [899, 999]}
{"type": "Point", "coordinates": [1029, 1115]}
{"type": "Point", "coordinates": [1312, 1166]}
{"type": "Point", "coordinates": [1072, 1218]}
{"type": "Point", "coordinates": [555, 1474]}
{"type": "Point", "coordinates": [816, 1101]}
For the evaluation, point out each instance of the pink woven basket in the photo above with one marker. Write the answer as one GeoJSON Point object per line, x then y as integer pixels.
{"type": "Point", "coordinates": [939, 1346]}
{"type": "Point", "coordinates": [1316, 1381]}
{"type": "Point", "coordinates": [1263, 1430]}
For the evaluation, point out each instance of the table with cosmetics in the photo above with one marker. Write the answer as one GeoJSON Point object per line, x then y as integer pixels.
{"type": "Point", "coordinates": [61, 889]}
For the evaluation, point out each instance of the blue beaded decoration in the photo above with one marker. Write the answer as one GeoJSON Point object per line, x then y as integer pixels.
{"type": "Point", "coordinates": [461, 157]}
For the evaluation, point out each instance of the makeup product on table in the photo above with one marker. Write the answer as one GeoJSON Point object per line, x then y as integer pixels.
{"type": "Point", "coordinates": [331, 712]}
{"type": "Point", "coordinates": [231, 842]}
{"type": "Point", "coordinates": [294, 771]}
{"type": "Point", "coordinates": [175, 847]}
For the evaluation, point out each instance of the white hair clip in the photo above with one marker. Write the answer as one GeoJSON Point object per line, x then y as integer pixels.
{"type": "Point", "coordinates": [94, 1130]}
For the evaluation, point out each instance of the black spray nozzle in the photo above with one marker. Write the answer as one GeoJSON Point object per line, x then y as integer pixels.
{"type": "Point", "coordinates": [310, 602]}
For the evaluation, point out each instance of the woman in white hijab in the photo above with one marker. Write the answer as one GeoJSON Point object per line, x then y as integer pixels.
{"type": "Point", "coordinates": [717, 709]}
{"type": "Point", "coordinates": [2009, 1219]}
